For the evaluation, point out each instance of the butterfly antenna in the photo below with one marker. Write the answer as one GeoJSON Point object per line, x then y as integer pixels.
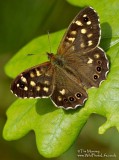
{"type": "Point", "coordinates": [49, 41]}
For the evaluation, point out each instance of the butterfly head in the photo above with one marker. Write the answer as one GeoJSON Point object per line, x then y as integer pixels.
{"type": "Point", "coordinates": [56, 59]}
{"type": "Point", "coordinates": [50, 56]}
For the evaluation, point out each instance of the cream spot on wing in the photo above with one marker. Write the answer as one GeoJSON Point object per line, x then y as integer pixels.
{"type": "Point", "coordinates": [89, 35]}
{"type": "Point", "coordinates": [25, 97]}
{"type": "Point", "coordinates": [83, 31]}
{"type": "Point", "coordinates": [72, 48]}
{"type": "Point", "coordinates": [32, 83]}
{"type": "Point", "coordinates": [85, 15]}
{"type": "Point", "coordinates": [79, 23]}
{"type": "Point", "coordinates": [90, 61]}
{"type": "Point", "coordinates": [25, 88]}
{"type": "Point", "coordinates": [70, 39]}
{"type": "Point", "coordinates": [73, 32]}
{"type": "Point", "coordinates": [62, 91]}
{"type": "Point", "coordinates": [46, 89]}
{"type": "Point", "coordinates": [32, 74]}
{"type": "Point", "coordinates": [59, 98]}
{"type": "Point", "coordinates": [82, 45]}
{"type": "Point", "coordinates": [47, 74]}
{"type": "Point", "coordinates": [23, 79]}
{"type": "Point", "coordinates": [31, 97]}
{"type": "Point", "coordinates": [96, 55]}
{"type": "Point", "coordinates": [46, 82]}
{"type": "Point", "coordinates": [16, 95]}
{"type": "Point", "coordinates": [38, 72]}
{"type": "Point", "coordinates": [89, 22]}
{"type": "Point", "coordinates": [38, 88]}
{"type": "Point", "coordinates": [90, 43]}
{"type": "Point", "coordinates": [17, 85]}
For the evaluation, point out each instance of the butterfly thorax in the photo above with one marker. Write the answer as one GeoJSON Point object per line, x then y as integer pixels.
{"type": "Point", "coordinates": [56, 59]}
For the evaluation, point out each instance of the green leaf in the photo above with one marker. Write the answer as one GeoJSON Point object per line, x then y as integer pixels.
{"type": "Point", "coordinates": [33, 53]}
{"type": "Point", "coordinates": [56, 129]}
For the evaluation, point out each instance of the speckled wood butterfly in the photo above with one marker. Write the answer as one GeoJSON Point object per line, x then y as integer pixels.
{"type": "Point", "coordinates": [78, 65]}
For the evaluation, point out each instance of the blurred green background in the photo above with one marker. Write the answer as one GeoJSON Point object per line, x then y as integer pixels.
{"type": "Point", "coordinates": [20, 22]}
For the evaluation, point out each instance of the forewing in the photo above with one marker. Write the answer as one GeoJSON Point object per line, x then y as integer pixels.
{"type": "Point", "coordinates": [34, 82]}
{"type": "Point", "coordinates": [83, 34]}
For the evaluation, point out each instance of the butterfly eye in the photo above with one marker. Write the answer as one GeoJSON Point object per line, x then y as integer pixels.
{"type": "Point", "coordinates": [65, 100]}
{"type": "Point", "coordinates": [78, 95]}
{"type": "Point", "coordinates": [71, 98]}
{"type": "Point", "coordinates": [21, 85]}
{"type": "Point", "coordinates": [99, 62]}
{"type": "Point", "coordinates": [99, 69]}
{"type": "Point", "coordinates": [86, 19]}
{"type": "Point", "coordinates": [96, 76]}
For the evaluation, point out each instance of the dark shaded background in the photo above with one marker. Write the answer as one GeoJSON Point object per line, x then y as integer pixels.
{"type": "Point", "coordinates": [20, 22]}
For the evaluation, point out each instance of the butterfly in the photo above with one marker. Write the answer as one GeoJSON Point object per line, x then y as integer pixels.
{"type": "Point", "coordinates": [78, 65]}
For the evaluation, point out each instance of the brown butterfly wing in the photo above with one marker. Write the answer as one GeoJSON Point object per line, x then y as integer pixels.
{"type": "Point", "coordinates": [84, 64]}
{"type": "Point", "coordinates": [68, 91]}
{"type": "Point", "coordinates": [35, 82]}
{"type": "Point", "coordinates": [83, 34]}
